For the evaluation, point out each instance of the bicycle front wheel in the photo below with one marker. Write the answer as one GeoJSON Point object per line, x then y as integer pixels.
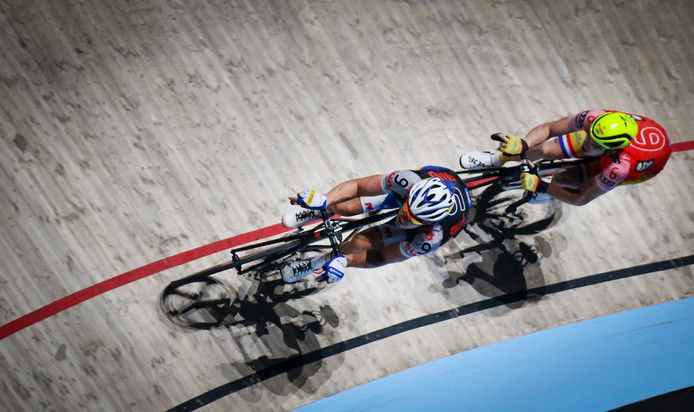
{"type": "Point", "coordinates": [502, 210]}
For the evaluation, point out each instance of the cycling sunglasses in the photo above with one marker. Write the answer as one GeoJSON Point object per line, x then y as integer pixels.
{"type": "Point", "coordinates": [410, 217]}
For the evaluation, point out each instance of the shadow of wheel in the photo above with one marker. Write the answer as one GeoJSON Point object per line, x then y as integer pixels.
{"type": "Point", "coordinates": [491, 213]}
{"type": "Point", "coordinates": [203, 304]}
{"type": "Point", "coordinates": [211, 303]}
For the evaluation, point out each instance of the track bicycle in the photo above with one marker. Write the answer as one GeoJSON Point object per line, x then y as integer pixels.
{"type": "Point", "coordinates": [203, 301]}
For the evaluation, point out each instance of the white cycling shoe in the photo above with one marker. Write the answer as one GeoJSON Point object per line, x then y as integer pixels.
{"type": "Point", "coordinates": [479, 160]}
{"type": "Point", "coordinates": [297, 270]}
{"type": "Point", "coordinates": [298, 216]}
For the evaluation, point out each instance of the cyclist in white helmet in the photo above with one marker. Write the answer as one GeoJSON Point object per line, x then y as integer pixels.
{"type": "Point", "coordinates": [433, 203]}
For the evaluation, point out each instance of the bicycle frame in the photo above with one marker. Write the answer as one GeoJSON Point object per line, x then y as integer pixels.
{"type": "Point", "coordinates": [509, 175]}
{"type": "Point", "coordinates": [331, 229]}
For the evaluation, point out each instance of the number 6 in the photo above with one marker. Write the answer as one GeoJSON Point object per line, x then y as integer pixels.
{"type": "Point", "coordinates": [402, 182]}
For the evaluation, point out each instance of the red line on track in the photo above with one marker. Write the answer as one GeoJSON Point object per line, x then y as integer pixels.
{"type": "Point", "coordinates": [133, 275]}
{"type": "Point", "coordinates": [682, 146]}
{"type": "Point", "coordinates": [167, 263]}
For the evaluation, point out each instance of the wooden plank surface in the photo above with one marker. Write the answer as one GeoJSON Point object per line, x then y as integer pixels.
{"type": "Point", "coordinates": [132, 131]}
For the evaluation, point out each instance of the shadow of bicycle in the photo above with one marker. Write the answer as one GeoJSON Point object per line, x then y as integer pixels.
{"type": "Point", "coordinates": [269, 321]}
{"type": "Point", "coordinates": [505, 247]}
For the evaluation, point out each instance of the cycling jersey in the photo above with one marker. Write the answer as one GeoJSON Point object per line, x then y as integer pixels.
{"type": "Point", "coordinates": [642, 159]}
{"type": "Point", "coordinates": [426, 238]}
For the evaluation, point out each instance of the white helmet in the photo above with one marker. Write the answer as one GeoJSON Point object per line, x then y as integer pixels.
{"type": "Point", "coordinates": [430, 200]}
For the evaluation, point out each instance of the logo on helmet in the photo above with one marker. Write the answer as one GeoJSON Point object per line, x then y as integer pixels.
{"type": "Point", "coordinates": [600, 128]}
{"type": "Point", "coordinates": [644, 165]}
{"type": "Point", "coordinates": [650, 139]}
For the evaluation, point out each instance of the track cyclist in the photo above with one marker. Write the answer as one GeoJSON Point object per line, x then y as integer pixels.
{"type": "Point", "coordinates": [433, 207]}
{"type": "Point", "coordinates": [626, 148]}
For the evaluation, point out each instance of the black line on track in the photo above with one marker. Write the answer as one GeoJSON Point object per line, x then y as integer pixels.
{"type": "Point", "coordinates": [679, 400]}
{"type": "Point", "coordinates": [406, 326]}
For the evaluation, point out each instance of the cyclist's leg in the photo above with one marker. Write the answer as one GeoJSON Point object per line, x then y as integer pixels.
{"type": "Point", "coordinates": [374, 247]}
{"type": "Point", "coordinates": [365, 249]}
{"type": "Point", "coordinates": [570, 178]}
{"type": "Point", "coordinates": [567, 146]}
{"type": "Point", "coordinates": [573, 177]}
{"type": "Point", "coordinates": [356, 250]}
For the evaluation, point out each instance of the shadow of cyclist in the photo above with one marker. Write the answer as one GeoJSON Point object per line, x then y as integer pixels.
{"type": "Point", "coordinates": [267, 327]}
{"type": "Point", "coordinates": [507, 247]}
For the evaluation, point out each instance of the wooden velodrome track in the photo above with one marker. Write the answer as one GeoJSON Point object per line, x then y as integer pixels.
{"type": "Point", "coordinates": [132, 131]}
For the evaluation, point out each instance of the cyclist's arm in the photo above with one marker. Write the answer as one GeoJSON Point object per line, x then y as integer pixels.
{"type": "Point", "coordinates": [354, 188]}
{"type": "Point", "coordinates": [344, 198]}
{"type": "Point", "coordinates": [544, 131]}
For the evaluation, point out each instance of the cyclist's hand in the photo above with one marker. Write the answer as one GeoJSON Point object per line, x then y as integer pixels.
{"type": "Point", "coordinates": [335, 269]}
{"type": "Point", "coordinates": [310, 199]}
{"type": "Point", "coordinates": [511, 145]}
{"type": "Point", "coordinates": [532, 183]}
